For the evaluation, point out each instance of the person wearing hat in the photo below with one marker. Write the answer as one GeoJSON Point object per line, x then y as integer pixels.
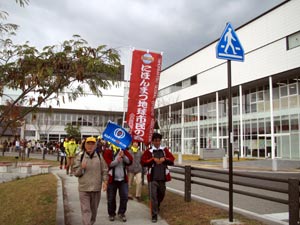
{"type": "Point", "coordinates": [92, 172]}
{"type": "Point", "coordinates": [117, 161]}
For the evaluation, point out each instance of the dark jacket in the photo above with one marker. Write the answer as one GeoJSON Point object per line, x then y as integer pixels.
{"type": "Point", "coordinates": [146, 161]}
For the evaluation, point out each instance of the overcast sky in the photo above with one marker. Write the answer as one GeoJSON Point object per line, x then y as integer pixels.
{"type": "Point", "coordinates": [175, 27]}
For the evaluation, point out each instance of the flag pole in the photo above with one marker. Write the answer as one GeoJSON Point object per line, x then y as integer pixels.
{"type": "Point", "coordinates": [126, 87]}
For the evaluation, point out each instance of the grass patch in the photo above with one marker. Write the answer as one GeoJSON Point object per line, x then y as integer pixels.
{"type": "Point", "coordinates": [177, 212]}
{"type": "Point", "coordinates": [29, 201]}
{"type": "Point", "coordinates": [28, 160]}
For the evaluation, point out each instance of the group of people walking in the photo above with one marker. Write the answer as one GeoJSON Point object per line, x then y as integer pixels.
{"type": "Point", "coordinates": [105, 167]}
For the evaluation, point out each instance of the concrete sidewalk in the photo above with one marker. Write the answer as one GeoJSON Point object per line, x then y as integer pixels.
{"type": "Point", "coordinates": [137, 213]}
{"type": "Point", "coordinates": [254, 165]}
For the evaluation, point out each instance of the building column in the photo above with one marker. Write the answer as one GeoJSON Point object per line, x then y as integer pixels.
{"type": "Point", "coordinates": [217, 120]}
{"type": "Point", "coordinates": [241, 123]}
{"type": "Point", "coordinates": [182, 128]}
{"type": "Point", "coordinates": [169, 122]}
{"type": "Point", "coordinates": [272, 119]}
{"type": "Point", "coordinates": [198, 125]}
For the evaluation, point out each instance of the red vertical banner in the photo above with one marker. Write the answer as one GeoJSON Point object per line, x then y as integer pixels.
{"type": "Point", "coordinates": [144, 81]}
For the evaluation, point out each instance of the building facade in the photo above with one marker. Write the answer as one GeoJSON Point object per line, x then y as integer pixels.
{"type": "Point", "coordinates": [50, 126]}
{"type": "Point", "coordinates": [193, 110]}
{"type": "Point", "coordinates": [90, 113]}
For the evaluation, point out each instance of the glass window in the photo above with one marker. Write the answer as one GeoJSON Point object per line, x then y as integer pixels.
{"type": "Point", "coordinates": [186, 83]}
{"type": "Point", "coordinates": [222, 108]}
{"type": "Point", "coordinates": [293, 89]}
{"type": "Point", "coordinates": [253, 108]}
{"type": "Point", "coordinates": [293, 40]}
{"type": "Point", "coordinates": [194, 80]}
{"type": "Point", "coordinates": [235, 100]}
{"type": "Point", "coordinates": [268, 126]}
{"type": "Point", "coordinates": [283, 91]}
{"type": "Point", "coordinates": [284, 124]}
{"type": "Point", "coordinates": [68, 119]}
{"type": "Point", "coordinates": [235, 110]}
{"type": "Point", "coordinates": [253, 97]}
{"type": "Point", "coordinates": [276, 93]}
{"type": "Point", "coordinates": [30, 133]}
{"type": "Point", "coordinates": [260, 96]}
{"type": "Point", "coordinates": [246, 101]}
{"type": "Point", "coordinates": [294, 124]}
{"type": "Point", "coordinates": [261, 126]}
{"type": "Point", "coordinates": [267, 95]}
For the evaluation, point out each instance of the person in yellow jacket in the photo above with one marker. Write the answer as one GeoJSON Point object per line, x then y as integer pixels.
{"type": "Point", "coordinates": [71, 148]}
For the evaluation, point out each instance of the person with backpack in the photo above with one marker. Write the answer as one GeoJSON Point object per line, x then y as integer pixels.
{"type": "Point", "coordinates": [157, 159]}
{"type": "Point", "coordinates": [117, 160]}
{"type": "Point", "coordinates": [92, 172]}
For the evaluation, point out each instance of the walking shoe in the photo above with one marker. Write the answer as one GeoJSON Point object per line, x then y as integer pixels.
{"type": "Point", "coordinates": [122, 217]}
{"type": "Point", "coordinates": [154, 219]}
{"type": "Point", "coordinates": [111, 218]}
{"type": "Point", "coordinates": [60, 167]}
{"type": "Point", "coordinates": [138, 198]}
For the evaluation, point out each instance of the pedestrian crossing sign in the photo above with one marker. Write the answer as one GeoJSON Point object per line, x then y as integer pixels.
{"type": "Point", "coordinates": [229, 46]}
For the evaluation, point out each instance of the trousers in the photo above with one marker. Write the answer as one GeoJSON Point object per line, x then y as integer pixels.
{"type": "Point", "coordinates": [112, 189]}
{"type": "Point", "coordinates": [89, 202]}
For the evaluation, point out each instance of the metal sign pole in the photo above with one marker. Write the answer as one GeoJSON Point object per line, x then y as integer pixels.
{"type": "Point", "coordinates": [230, 48]}
{"type": "Point", "coordinates": [230, 141]}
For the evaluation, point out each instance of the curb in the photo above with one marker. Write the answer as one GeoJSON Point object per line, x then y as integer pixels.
{"type": "Point", "coordinates": [60, 212]}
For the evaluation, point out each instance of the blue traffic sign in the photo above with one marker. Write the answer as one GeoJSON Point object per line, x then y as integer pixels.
{"type": "Point", "coordinates": [229, 46]}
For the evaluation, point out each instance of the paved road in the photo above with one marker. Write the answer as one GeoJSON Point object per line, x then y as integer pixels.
{"type": "Point", "coordinates": [277, 211]}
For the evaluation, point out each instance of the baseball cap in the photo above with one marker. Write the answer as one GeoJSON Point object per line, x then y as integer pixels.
{"type": "Point", "coordinates": [90, 139]}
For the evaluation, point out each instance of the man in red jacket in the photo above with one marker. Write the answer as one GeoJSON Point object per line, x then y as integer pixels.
{"type": "Point", "coordinates": [157, 159]}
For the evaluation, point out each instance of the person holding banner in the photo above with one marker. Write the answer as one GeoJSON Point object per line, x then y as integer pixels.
{"type": "Point", "coordinates": [117, 161]}
{"type": "Point", "coordinates": [157, 159]}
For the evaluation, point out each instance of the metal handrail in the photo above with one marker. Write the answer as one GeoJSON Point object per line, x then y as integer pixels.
{"type": "Point", "coordinates": [292, 191]}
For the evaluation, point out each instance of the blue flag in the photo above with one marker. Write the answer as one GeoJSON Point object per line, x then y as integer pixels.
{"type": "Point", "coordinates": [116, 135]}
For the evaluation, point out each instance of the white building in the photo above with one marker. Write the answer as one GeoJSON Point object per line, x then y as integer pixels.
{"type": "Point", "coordinates": [192, 107]}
